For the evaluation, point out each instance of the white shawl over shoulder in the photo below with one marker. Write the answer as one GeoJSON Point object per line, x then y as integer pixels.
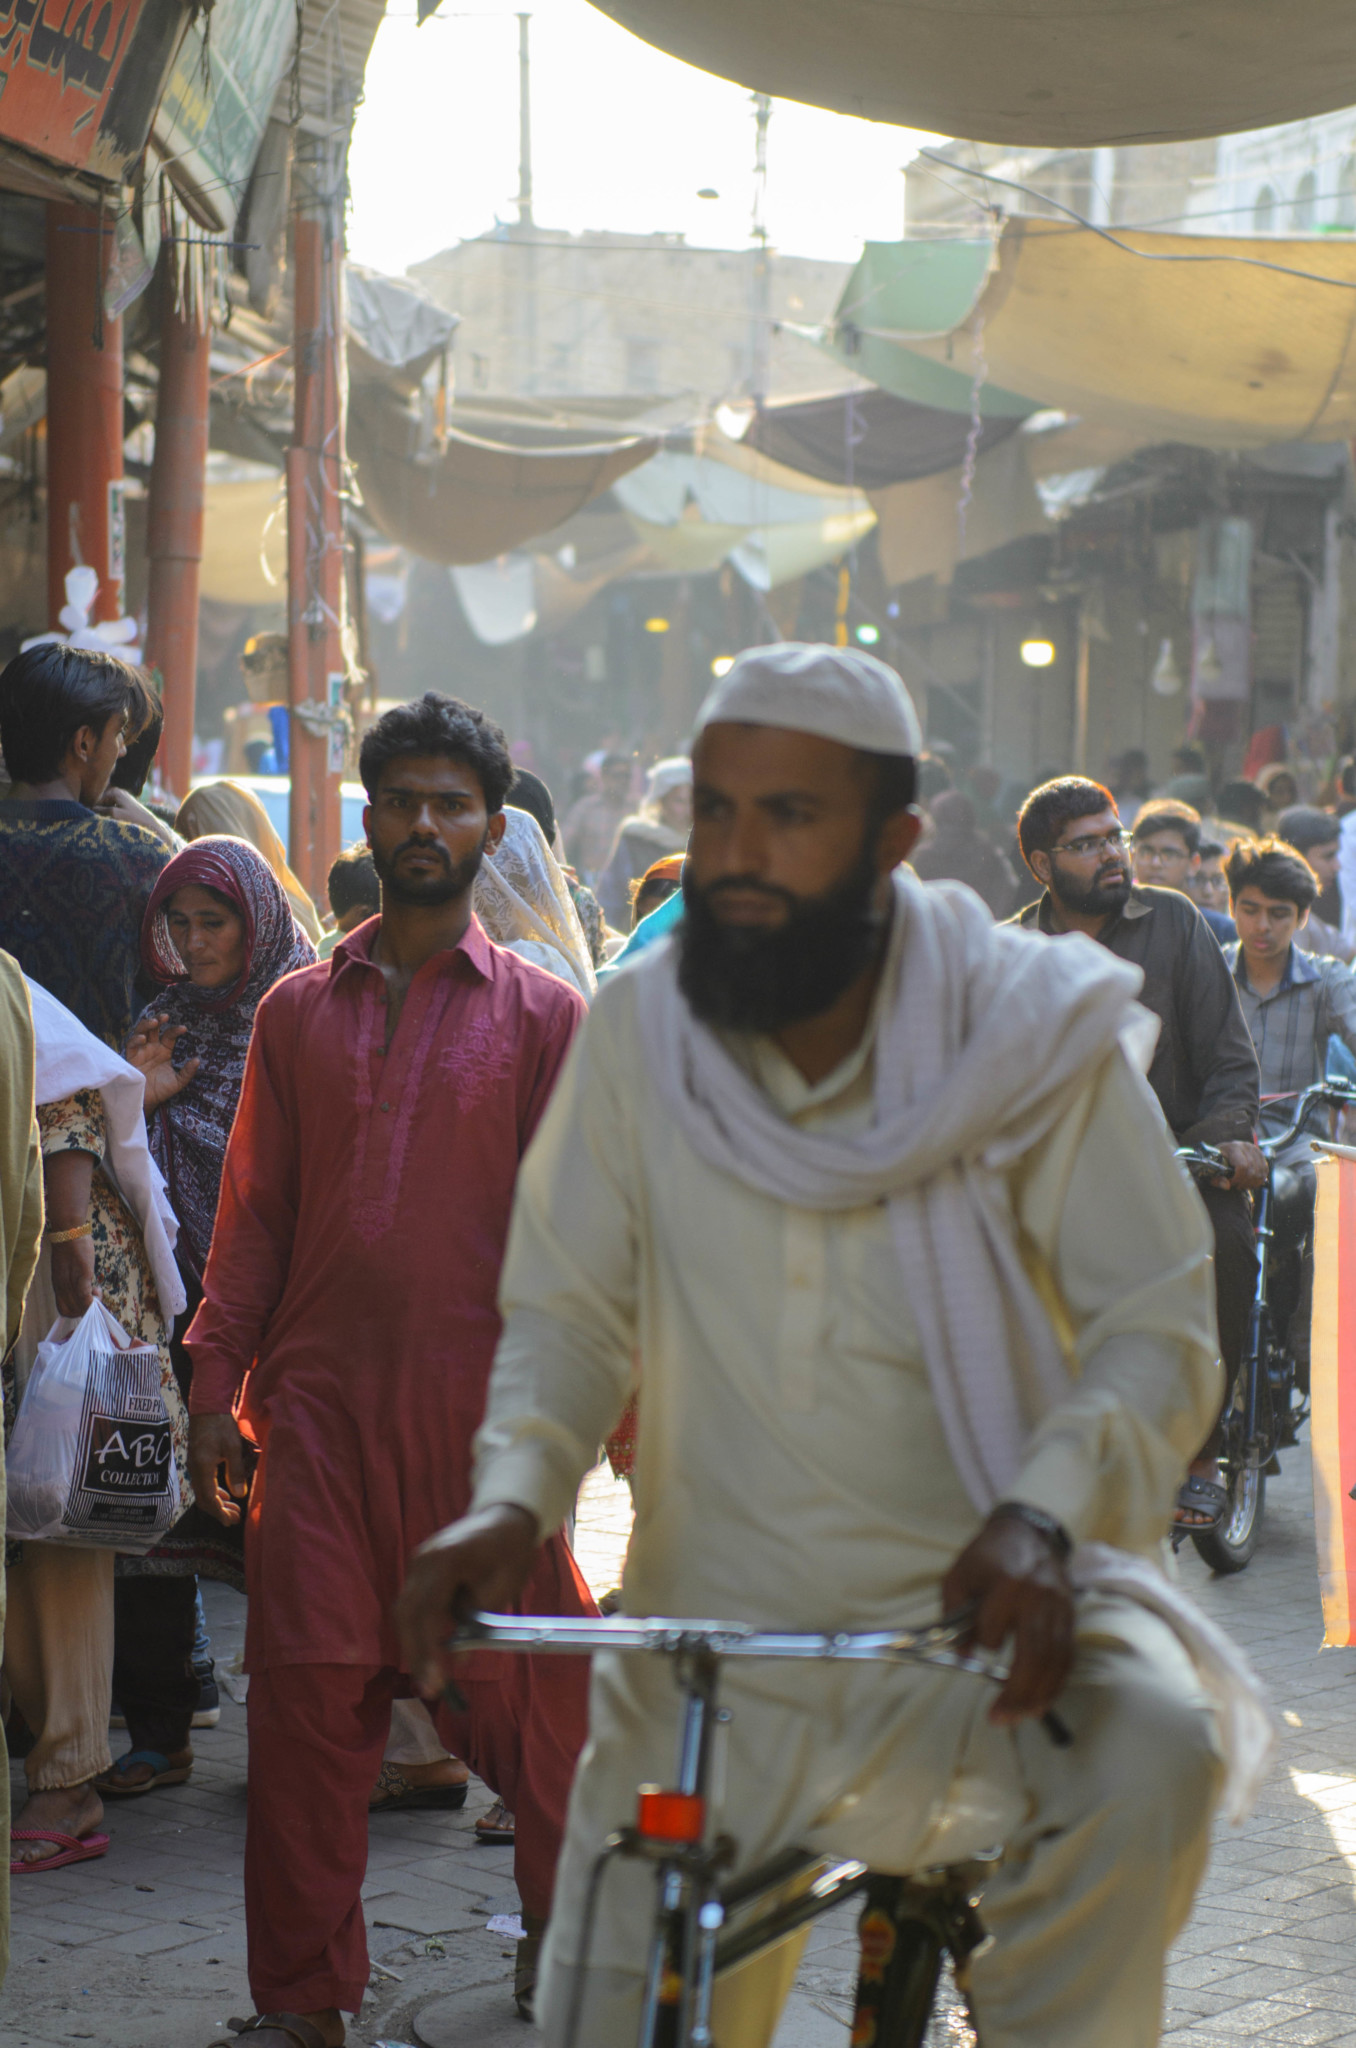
{"type": "Point", "coordinates": [985, 1039]}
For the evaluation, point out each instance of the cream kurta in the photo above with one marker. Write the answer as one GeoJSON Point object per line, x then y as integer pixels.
{"type": "Point", "coordinates": [792, 1468]}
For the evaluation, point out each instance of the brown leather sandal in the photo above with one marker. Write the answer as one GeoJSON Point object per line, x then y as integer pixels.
{"type": "Point", "coordinates": [302, 2031]}
{"type": "Point", "coordinates": [496, 1825]}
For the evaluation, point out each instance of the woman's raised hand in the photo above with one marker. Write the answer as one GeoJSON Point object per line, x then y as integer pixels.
{"type": "Point", "coordinates": [150, 1050]}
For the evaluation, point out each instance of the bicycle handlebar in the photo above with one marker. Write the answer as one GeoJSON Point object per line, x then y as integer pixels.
{"type": "Point", "coordinates": [566, 1635]}
{"type": "Point", "coordinates": [577, 1635]}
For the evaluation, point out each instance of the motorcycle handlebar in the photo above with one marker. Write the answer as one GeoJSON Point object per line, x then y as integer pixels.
{"type": "Point", "coordinates": [1337, 1095]}
{"type": "Point", "coordinates": [1207, 1162]}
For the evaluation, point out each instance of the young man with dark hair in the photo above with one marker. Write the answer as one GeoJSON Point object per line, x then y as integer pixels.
{"type": "Point", "coordinates": [1166, 849]}
{"type": "Point", "coordinates": [349, 1319]}
{"type": "Point", "coordinates": [1294, 1003]}
{"type": "Point", "coordinates": [1204, 1070]}
{"type": "Point", "coordinates": [74, 883]}
{"type": "Point", "coordinates": [1317, 835]}
{"type": "Point", "coordinates": [799, 1167]}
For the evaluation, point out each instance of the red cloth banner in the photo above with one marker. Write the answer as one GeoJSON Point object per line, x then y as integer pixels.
{"type": "Point", "coordinates": [1333, 1425]}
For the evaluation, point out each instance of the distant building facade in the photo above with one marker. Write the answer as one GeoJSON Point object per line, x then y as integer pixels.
{"type": "Point", "coordinates": [548, 314]}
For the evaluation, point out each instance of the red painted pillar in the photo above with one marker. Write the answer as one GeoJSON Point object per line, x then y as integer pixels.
{"type": "Point", "coordinates": [174, 524]}
{"type": "Point", "coordinates": [85, 520]}
{"type": "Point", "coordinates": [315, 526]}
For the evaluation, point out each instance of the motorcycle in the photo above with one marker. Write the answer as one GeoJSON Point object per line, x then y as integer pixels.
{"type": "Point", "coordinates": [1264, 1417]}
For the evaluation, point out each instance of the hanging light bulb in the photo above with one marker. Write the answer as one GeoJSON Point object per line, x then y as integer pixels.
{"type": "Point", "coordinates": [1166, 678]}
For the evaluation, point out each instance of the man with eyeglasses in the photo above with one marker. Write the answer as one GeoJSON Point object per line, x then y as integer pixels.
{"type": "Point", "coordinates": [1204, 1069]}
{"type": "Point", "coordinates": [1166, 849]}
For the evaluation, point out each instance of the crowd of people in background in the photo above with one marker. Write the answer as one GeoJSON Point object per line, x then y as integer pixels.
{"type": "Point", "coordinates": [323, 1214]}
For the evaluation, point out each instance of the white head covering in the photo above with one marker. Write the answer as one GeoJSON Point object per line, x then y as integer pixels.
{"type": "Point", "coordinates": [836, 692]}
{"type": "Point", "coordinates": [523, 903]}
{"type": "Point", "coordinates": [673, 773]}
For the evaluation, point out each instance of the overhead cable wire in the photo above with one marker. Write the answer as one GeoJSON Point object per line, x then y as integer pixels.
{"type": "Point", "coordinates": [1146, 255]}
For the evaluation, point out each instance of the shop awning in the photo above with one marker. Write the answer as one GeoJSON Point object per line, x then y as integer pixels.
{"type": "Point", "coordinates": [1222, 342]}
{"type": "Point", "coordinates": [471, 499]}
{"type": "Point", "coordinates": [1071, 73]}
{"type": "Point", "coordinates": [695, 511]}
{"type": "Point", "coordinates": [868, 438]}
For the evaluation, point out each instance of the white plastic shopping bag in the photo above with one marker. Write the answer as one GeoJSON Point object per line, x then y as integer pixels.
{"type": "Point", "coordinates": [91, 1460]}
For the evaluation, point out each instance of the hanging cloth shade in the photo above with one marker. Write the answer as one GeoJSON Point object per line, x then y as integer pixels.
{"type": "Point", "coordinates": [471, 499]}
{"type": "Point", "coordinates": [1072, 73]}
{"type": "Point", "coordinates": [1218, 341]}
{"type": "Point", "coordinates": [870, 438]}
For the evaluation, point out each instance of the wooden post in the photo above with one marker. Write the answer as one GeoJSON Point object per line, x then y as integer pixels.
{"type": "Point", "coordinates": [85, 517]}
{"type": "Point", "coordinates": [174, 524]}
{"type": "Point", "coordinates": [315, 474]}
{"type": "Point", "coordinates": [1082, 682]}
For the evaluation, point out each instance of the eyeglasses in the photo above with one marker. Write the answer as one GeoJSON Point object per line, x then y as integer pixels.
{"type": "Point", "coordinates": [1159, 856]}
{"type": "Point", "coordinates": [1094, 842]}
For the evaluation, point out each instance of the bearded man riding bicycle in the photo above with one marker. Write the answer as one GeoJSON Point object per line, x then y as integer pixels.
{"type": "Point", "coordinates": [877, 1195]}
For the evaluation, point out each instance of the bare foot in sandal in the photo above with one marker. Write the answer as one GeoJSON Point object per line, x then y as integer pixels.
{"type": "Point", "coordinates": [495, 1825]}
{"type": "Point", "coordinates": [1202, 1500]}
{"type": "Point", "coordinates": [433, 1784]}
{"type": "Point", "coordinates": [142, 1770]}
{"type": "Point", "coordinates": [70, 1809]}
{"type": "Point", "coordinates": [294, 2029]}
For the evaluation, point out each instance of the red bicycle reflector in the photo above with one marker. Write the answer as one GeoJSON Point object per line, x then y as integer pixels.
{"type": "Point", "coordinates": [669, 1816]}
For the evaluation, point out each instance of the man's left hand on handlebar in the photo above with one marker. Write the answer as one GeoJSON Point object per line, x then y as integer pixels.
{"type": "Point", "coordinates": [1016, 1578]}
{"type": "Point", "coordinates": [480, 1562]}
{"type": "Point", "coordinates": [1248, 1162]}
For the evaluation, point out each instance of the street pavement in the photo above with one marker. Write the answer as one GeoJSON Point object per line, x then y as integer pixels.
{"type": "Point", "coordinates": [146, 1948]}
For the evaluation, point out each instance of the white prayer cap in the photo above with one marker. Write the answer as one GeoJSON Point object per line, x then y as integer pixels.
{"type": "Point", "coordinates": [673, 773]}
{"type": "Point", "coordinates": [837, 692]}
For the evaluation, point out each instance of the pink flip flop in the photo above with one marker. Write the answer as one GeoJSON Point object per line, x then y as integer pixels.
{"type": "Point", "coordinates": [73, 1849]}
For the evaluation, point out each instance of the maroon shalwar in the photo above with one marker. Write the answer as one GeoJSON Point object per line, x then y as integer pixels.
{"type": "Point", "coordinates": [351, 1291]}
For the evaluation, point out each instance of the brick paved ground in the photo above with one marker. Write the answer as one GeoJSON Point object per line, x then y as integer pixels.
{"type": "Point", "coordinates": [145, 1949]}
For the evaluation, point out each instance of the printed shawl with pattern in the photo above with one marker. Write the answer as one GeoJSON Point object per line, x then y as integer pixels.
{"type": "Point", "coordinates": [188, 1133]}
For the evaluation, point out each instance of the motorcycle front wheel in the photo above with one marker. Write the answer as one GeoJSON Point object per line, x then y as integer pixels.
{"type": "Point", "coordinates": [1229, 1546]}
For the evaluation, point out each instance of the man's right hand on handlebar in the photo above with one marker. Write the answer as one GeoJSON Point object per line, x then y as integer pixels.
{"type": "Point", "coordinates": [1020, 1586]}
{"type": "Point", "coordinates": [480, 1562]}
{"type": "Point", "coordinates": [1248, 1162]}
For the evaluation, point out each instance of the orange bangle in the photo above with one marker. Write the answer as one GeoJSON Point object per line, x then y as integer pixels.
{"type": "Point", "coordinates": [68, 1236]}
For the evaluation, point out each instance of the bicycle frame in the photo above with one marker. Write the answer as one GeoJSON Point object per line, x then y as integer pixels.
{"type": "Point", "coordinates": [692, 1940]}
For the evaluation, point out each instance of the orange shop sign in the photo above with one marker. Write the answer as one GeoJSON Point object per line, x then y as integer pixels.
{"type": "Point", "coordinates": [67, 88]}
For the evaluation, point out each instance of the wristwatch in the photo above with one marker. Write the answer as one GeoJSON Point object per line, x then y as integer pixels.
{"type": "Point", "coordinates": [1054, 1532]}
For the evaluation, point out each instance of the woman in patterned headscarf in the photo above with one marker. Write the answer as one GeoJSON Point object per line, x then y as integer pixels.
{"type": "Point", "coordinates": [218, 932]}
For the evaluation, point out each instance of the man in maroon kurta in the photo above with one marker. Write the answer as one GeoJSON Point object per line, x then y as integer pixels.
{"type": "Point", "coordinates": [349, 1318]}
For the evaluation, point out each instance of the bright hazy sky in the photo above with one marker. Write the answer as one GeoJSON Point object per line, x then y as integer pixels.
{"type": "Point", "coordinates": [623, 137]}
